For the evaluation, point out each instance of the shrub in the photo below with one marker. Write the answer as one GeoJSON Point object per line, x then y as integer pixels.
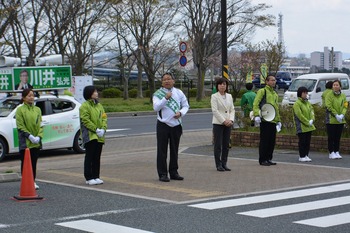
{"type": "Point", "coordinates": [111, 93]}
{"type": "Point", "coordinates": [287, 121]}
{"type": "Point", "coordinates": [193, 92]}
{"type": "Point", "coordinates": [133, 93]}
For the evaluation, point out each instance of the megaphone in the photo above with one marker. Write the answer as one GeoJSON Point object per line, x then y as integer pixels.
{"type": "Point", "coordinates": [10, 61]}
{"type": "Point", "coordinates": [267, 112]}
{"type": "Point", "coordinates": [49, 60]}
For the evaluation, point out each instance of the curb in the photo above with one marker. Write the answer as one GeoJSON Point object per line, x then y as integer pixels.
{"type": "Point", "coordinates": [9, 177]}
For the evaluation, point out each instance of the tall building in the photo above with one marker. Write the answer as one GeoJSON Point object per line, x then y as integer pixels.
{"type": "Point", "coordinates": [323, 60]}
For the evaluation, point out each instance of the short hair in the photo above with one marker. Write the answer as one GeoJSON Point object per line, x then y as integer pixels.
{"type": "Point", "coordinates": [301, 90]}
{"type": "Point", "coordinates": [329, 84]}
{"type": "Point", "coordinates": [88, 91]}
{"type": "Point", "coordinates": [249, 86]}
{"type": "Point", "coordinates": [336, 81]}
{"type": "Point", "coordinates": [24, 71]}
{"type": "Point", "coordinates": [220, 81]}
{"type": "Point", "coordinates": [25, 92]}
{"type": "Point", "coordinates": [168, 73]}
{"type": "Point", "coordinates": [268, 77]}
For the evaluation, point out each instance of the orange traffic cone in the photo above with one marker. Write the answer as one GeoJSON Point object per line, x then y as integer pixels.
{"type": "Point", "coordinates": [27, 191]}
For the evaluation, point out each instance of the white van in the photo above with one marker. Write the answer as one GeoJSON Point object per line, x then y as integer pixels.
{"type": "Point", "coordinates": [316, 84]}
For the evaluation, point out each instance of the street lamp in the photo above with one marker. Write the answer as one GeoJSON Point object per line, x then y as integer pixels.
{"type": "Point", "coordinates": [93, 44]}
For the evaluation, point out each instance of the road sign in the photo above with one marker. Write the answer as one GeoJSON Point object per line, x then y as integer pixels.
{"type": "Point", "coordinates": [183, 60]}
{"type": "Point", "coordinates": [183, 46]}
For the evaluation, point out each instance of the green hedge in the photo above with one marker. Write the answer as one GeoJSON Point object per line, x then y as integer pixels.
{"type": "Point", "coordinates": [287, 121]}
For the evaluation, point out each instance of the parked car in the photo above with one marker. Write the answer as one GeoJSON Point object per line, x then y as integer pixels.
{"type": "Point", "coordinates": [282, 81]}
{"type": "Point", "coordinates": [315, 84]}
{"type": "Point", "coordinates": [60, 120]}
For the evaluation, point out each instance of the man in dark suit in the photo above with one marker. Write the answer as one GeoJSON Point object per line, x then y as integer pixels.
{"type": "Point", "coordinates": [24, 76]}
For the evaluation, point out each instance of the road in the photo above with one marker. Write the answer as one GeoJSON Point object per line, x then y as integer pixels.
{"type": "Point", "coordinates": [145, 124]}
{"type": "Point", "coordinates": [289, 197]}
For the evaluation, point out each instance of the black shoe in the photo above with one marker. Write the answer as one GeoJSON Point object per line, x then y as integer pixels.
{"type": "Point", "coordinates": [265, 163]}
{"type": "Point", "coordinates": [271, 163]}
{"type": "Point", "coordinates": [164, 178]}
{"type": "Point", "coordinates": [220, 169]}
{"type": "Point", "coordinates": [226, 168]}
{"type": "Point", "coordinates": [176, 177]}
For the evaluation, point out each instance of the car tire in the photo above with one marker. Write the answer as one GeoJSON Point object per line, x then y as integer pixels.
{"type": "Point", "coordinates": [3, 149]}
{"type": "Point", "coordinates": [78, 145]}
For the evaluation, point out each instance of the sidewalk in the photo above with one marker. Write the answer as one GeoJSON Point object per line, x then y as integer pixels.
{"type": "Point", "coordinates": [129, 168]}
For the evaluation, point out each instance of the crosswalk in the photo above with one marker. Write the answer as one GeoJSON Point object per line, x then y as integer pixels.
{"type": "Point", "coordinates": [322, 221]}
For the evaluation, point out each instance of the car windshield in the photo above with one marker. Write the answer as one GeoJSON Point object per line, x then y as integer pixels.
{"type": "Point", "coordinates": [7, 106]}
{"type": "Point", "coordinates": [308, 83]}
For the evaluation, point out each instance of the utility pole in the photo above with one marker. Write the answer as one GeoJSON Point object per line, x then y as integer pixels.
{"type": "Point", "coordinates": [224, 39]}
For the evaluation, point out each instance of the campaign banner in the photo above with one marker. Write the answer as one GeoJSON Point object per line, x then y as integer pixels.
{"type": "Point", "coordinates": [39, 78]}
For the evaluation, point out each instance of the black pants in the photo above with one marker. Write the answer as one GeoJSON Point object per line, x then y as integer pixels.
{"type": "Point", "coordinates": [267, 140]}
{"type": "Point", "coordinates": [304, 143]}
{"type": "Point", "coordinates": [167, 135]}
{"type": "Point", "coordinates": [34, 155]}
{"type": "Point", "coordinates": [92, 162]}
{"type": "Point", "coordinates": [222, 135]}
{"type": "Point", "coordinates": [334, 132]}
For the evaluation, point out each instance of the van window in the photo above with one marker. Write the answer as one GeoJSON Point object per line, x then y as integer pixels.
{"type": "Point", "coordinates": [322, 85]}
{"type": "Point", "coordinates": [344, 83]}
{"type": "Point", "coordinates": [308, 83]}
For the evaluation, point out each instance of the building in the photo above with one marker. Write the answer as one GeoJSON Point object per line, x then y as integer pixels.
{"type": "Point", "coordinates": [323, 60]}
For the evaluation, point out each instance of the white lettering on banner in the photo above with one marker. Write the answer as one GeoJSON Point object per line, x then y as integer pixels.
{"type": "Point", "coordinates": [62, 81]}
{"type": "Point", "coordinates": [39, 77]}
{"type": "Point", "coordinates": [4, 82]}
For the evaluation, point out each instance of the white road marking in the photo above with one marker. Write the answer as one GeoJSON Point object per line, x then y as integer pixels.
{"type": "Point", "coordinates": [89, 225]}
{"type": "Point", "coordinates": [272, 197]}
{"type": "Point", "coordinates": [296, 208]}
{"type": "Point", "coordinates": [115, 130]}
{"type": "Point", "coordinates": [327, 221]}
{"type": "Point", "coordinates": [3, 226]}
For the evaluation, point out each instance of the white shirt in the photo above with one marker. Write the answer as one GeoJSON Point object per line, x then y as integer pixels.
{"type": "Point", "coordinates": [166, 114]}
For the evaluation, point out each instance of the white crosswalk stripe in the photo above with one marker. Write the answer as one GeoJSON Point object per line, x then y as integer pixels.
{"type": "Point", "coordinates": [296, 208]}
{"type": "Point", "coordinates": [322, 221]}
{"type": "Point", "coordinates": [93, 226]}
{"type": "Point", "coordinates": [272, 197]}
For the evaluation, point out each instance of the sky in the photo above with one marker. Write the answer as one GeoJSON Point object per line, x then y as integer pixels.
{"type": "Point", "coordinates": [309, 25]}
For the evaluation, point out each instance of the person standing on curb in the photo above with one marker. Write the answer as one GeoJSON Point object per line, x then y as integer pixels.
{"type": "Point", "coordinates": [267, 95]}
{"type": "Point", "coordinates": [93, 126]}
{"type": "Point", "coordinates": [223, 118]}
{"type": "Point", "coordinates": [30, 131]}
{"type": "Point", "coordinates": [304, 118]}
{"type": "Point", "coordinates": [337, 106]}
{"type": "Point", "coordinates": [171, 105]}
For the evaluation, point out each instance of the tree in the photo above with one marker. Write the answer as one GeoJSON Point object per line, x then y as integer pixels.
{"type": "Point", "coordinates": [150, 23]}
{"type": "Point", "coordinates": [203, 26]}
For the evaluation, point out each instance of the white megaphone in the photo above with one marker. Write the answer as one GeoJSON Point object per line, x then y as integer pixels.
{"type": "Point", "coordinates": [10, 61]}
{"type": "Point", "coordinates": [49, 60]}
{"type": "Point", "coordinates": [267, 112]}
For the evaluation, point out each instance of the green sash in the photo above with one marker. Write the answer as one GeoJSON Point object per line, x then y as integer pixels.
{"type": "Point", "coordinates": [172, 104]}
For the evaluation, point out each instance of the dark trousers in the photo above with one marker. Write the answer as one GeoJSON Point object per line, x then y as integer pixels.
{"type": "Point", "coordinates": [222, 135]}
{"type": "Point", "coordinates": [34, 155]}
{"type": "Point", "coordinates": [334, 132]}
{"type": "Point", "coordinates": [267, 140]}
{"type": "Point", "coordinates": [304, 143]}
{"type": "Point", "coordinates": [167, 135]}
{"type": "Point", "coordinates": [92, 162]}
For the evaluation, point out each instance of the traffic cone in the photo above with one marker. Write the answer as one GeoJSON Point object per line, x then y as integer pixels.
{"type": "Point", "coordinates": [27, 191]}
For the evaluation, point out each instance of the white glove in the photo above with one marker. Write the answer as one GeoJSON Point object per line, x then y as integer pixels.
{"type": "Point", "coordinates": [278, 126]}
{"type": "Point", "coordinates": [100, 132]}
{"type": "Point", "coordinates": [341, 116]}
{"type": "Point", "coordinates": [257, 120]}
{"type": "Point", "coordinates": [37, 140]}
{"type": "Point", "coordinates": [338, 117]}
{"type": "Point", "coordinates": [32, 139]}
{"type": "Point", "coordinates": [311, 122]}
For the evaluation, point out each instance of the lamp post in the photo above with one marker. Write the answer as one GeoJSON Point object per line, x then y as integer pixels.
{"type": "Point", "coordinates": [92, 43]}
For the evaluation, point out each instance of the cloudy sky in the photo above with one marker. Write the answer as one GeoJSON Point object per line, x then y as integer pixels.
{"type": "Point", "coordinates": [310, 25]}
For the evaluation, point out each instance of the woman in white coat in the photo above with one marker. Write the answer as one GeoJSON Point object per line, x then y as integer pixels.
{"type": "Point", "coordinates": [223, 118]}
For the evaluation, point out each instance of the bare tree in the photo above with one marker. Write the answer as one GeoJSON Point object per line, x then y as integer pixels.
{"type": "Point", "coordinates": [8, 14]}
{"type": "Point", "coordinates": [150, 24]}
{"type": "Point", "coordinates": [203, 25]}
